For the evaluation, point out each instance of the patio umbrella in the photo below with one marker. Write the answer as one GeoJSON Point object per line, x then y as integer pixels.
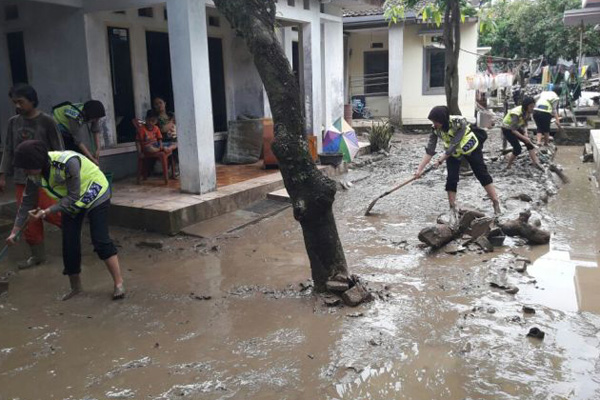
{"type": "Point", "coordinates": [340, 137]}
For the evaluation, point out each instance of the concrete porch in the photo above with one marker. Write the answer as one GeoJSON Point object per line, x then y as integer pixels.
{"type": "Point", "coordinates": [164, 209]}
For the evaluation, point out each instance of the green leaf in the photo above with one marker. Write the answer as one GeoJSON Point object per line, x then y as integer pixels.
{"type": "Point", "coordinates": [462, 17]}
{"type": "Point", "coordinates": [438, 18]}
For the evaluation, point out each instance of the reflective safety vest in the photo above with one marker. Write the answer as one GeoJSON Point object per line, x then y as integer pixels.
{"type": "Point", "coordinates": [469, 141]}
{"type": "Point", "coordinates": [546, 102]}
{"type": "Point", "coordinates": [66, 111]}
{"type": "Point", "coordinates": [93, 184]}
{"type": "Point", "coordinates": [517, 111]}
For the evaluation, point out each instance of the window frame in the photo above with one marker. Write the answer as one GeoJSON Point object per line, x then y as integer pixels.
{"type": "Point", "coordinates": [427, 90]}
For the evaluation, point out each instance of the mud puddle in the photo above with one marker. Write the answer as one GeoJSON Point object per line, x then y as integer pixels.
{"type": "Point", "coordinates": [228, 319]}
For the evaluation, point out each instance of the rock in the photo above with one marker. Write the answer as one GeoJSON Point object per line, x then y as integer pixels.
{"type": "Point", "coordinates": [3, 286]}
{"type": "Point", "coordinates": [332, 301]}
{"type": "Point", "coordinates": [491, 310]}
{"type": "Point", "coordinates": [480, 227]}
{"type": "Point", "coordinates": [523, 197]}
{"type": "Point", "coordinates": [453, 248]}
{"type": "Point", "coordinates": [306, 285]}
{"type": "Point", "coordinates": [520, 266]}
{"type": "Point", "coordinates": [355, 296]}
{"type": "Point", "coordinates": [337, 287]}
{"type": "Point", "coordinates": [436, 236]}
{"type": "Point", "coordinates": [376, 342]}
{"type": "Point", "coordinates": [150, 244]}
{"type": "Point", "coordinates": [485, 244]}
{"type": "Point", "coordinates": [536, 333]}
{"type": "Point", "coordinates": [467, 217]}
{"type": "Point", "coordinates": [528, 310]}
{"type": "Point", "coordinates": [536, 222]}
{"type": "Point", "coordinates": [512, 290]}
{"type": "Point", "coordinates": [521, 227]}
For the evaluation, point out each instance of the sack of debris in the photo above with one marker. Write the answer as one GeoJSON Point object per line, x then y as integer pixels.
{"type": "Point", "coordinates": [244, 141]}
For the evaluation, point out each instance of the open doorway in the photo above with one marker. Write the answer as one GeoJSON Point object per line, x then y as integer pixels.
{"type": "Point", "coordinates": [217, 84]}
{"type": "Point", "coordinates": [159, 67]}
{"type": "Point", "coordinates": [122, 85]}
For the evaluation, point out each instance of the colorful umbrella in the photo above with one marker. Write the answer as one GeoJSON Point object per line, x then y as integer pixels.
{"type": "Point", "coordinates": [340, 137]}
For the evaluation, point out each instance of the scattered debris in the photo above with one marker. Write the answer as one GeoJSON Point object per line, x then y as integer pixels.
{"type": "Point", "coordinates": [588, 153]}
{"type": "Point", "coordinates": [150, 244]}
{"type": "Point", "coordinates": [306, 285]}
{"type": "Point", "coordinates": [536, 333]}
{"type": "Point", "coordinates": [528, 310]}
{"type": "Point", "coordinates": [356, 295]}
{"type": "Point", "coordinates": [521, 227]}
{"type": "Point", "coordinates": [332, 301]}
{"type": "Point", "coordinates": [523, 197]}
{"type": "Point", "coordinates": [199, 296]}
{"type": "Point", "coordinates": [558, 171]}
{"type": "Point", "coordinates": [3, 286]}
{"type": "Point", "coordinates": [437, 236]}
{"type": "Point", "coordinates": [485, 244]}
{"type": "Point", "coordinates": [512, 290]}
{"type": "Point", "coordinates": [337, 286]}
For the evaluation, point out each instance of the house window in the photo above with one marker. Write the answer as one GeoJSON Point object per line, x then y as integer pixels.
{"type": "Point", "coordinates": [214, 21]}
{"type": "Point", "coordinates": [322, 8]}
{"type": "Point", "coordinates": [307, 4]}
{"type": "Point", "coordinates": [165, 14]}
{"type": "Point", "coordinates": [11, 12]}
{"type": "Point", "coordinates": [16, 57]}
{"type": "Point", "coordinates": [292, 3]}
{"type": "Point", "coordinates": [147, 12]}
{"type": "Point", "coordinates": [376, 73]}
{"type": "Point", "coordinates": [435, 71]}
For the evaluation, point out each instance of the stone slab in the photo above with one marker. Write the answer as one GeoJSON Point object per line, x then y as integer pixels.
{"type": "Point", "coordinates": [280, 195]}
{"type": "Point", "coordinates": [222, 224]}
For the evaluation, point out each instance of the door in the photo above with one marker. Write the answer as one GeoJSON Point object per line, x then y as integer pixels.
{"type": "Point", "coordinates": [122, 85]}
{"type": "Point", "coordinates": [217, 84]}
{"type": "Point", "coordinates": [159, 67]}
{"type": "Point", "coordinates": [16, 57]}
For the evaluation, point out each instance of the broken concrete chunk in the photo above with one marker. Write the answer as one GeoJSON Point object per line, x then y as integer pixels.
{"type": "Point", "coordinates": [337, 287]}
{"type": "Point", "coordinates": [480, 227]}
{"type": "Point", "coordinates": [467, 217]}
{"type": "Point", "coordinates": [150, 244]}
{"type": "Point", "coordinates": [520, 266]}
{"type": "Point", "coordinates": [523, 197]}
{"type": "Point", "coordinates": [332, 301]}
{"type": "Point", "coordinates": [356, 295]}
{"type": "Point", "coordinates": [436, 236]}
{"type": "Point", "coordinates": [512, 290]}
{"type": "Point", "coordinates": [453, 248]}
{"type": "Point", "coordinates": [485, 244]}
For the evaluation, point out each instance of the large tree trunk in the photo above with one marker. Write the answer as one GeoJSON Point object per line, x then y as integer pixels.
{"type": "Point", "coordinates": [452, 45]}
{"type": "Point", "coordinates": [311, 192]}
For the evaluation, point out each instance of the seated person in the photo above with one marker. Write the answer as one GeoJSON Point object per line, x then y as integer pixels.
{"type": "Point", "coordinates": [166, 119]}
{"type": "Point", "coordinates": [150, 137]}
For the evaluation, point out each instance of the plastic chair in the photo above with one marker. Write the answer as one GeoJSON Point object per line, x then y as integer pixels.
{"type": "Point", "coordinates": [142, 165]}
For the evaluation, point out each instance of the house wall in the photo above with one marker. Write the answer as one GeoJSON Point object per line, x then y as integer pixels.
{"type": "Point", "coordinates": [415, 105]}
{"type": "Point", "coordinates": [56, 59]}
{"type": "Point", "coordinates": [358, 44]}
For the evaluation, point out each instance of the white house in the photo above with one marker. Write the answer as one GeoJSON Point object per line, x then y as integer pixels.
{"type": "Point", "coordinates": [403, 63]}
{"type": "Point", "coordinates": [122, 52]}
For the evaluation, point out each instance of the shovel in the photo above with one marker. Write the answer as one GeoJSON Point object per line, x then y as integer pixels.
{"type": "Point", "coordinates": [414, 178]}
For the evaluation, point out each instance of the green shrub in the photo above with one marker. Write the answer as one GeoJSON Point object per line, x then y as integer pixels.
{"type": "Point", "coordinates": [380, 136]}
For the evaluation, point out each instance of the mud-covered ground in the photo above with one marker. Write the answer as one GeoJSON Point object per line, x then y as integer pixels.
{"type": "Point", "coordinates": [228, 319]}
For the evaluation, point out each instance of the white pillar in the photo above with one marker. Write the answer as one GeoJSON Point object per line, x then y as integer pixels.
{"type": "Point", "coordinates": [139, 67]}
{"type": "Point", "coordinates": [311, 46]}
{"type": "Point", "coordinates": [396, 61]}
{"type": "Point", "coordinates": [188, 38]}
{"type": "Point", "coordinates": [333, 77]}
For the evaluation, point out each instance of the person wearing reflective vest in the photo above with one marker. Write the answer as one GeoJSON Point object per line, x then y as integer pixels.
{"type": "Point", "coordinates": [70, 120]}
{"type": "Point", "coordinates": [514, 129]}
{"type": "Point", "coordinates": [81, 190]}
{"type": "Point", "coordinates": [461, 141]}
{"type": "Point", "coordinates": [545, 108]}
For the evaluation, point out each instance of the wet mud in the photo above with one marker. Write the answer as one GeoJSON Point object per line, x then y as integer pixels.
{"type": "Point", "coordinates": [233, 318]}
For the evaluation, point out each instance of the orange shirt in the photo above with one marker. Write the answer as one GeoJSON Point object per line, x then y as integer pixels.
{"type": "Point", "coordinates": [148, 137]}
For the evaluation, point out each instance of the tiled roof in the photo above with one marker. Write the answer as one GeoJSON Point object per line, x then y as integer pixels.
{"type": "Point", "coordinates": [363, 13]}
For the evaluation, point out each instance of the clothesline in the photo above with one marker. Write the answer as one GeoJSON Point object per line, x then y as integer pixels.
{"type": "Point", "coordinates": [499, 58]}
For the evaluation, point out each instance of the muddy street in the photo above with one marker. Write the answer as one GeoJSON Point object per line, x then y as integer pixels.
{"type": "Point", "coordinates": [231, 318]}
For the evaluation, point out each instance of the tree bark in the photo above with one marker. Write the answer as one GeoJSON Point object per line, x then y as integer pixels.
{"type": "Point", "coordinates": [452, 45]}
{"type": "Point", "coordinates": [311, 192]}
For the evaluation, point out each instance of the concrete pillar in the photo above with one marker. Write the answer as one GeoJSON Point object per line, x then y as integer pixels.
{"type": "Point", "coordinates": [396, 61]}
{"type": "Point", "coordinates": [100, 74]}
{"type": "Point", "coordinates": [333, 76]}
{"type": "Point", "coordinates": [191, 86]}
{"type": "Point", "coordinates": [311, 68]}
{"type": "Point", "coordinates": [139, 67]}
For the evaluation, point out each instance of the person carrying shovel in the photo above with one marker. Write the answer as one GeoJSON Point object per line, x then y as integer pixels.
{"type": "Point", "coordinates": [81, 189]}
{"type": "Point", "coordinates": [514, 129]}
{"type": "Point", "coordinates": [460, 142]}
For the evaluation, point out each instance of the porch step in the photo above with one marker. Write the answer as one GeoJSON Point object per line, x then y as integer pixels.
{"type": "Point", "coordinates": [280, 195]}
{"type": "Point", "coordinates": [593, 122]}
{"type": "Point", "coordinates": [234, 221]}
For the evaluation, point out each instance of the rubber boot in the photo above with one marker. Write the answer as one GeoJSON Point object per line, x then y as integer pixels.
{"type": "Point", "coordinates": [38, 256]}
{"type": "Point", "coordinates": [75, 282]}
